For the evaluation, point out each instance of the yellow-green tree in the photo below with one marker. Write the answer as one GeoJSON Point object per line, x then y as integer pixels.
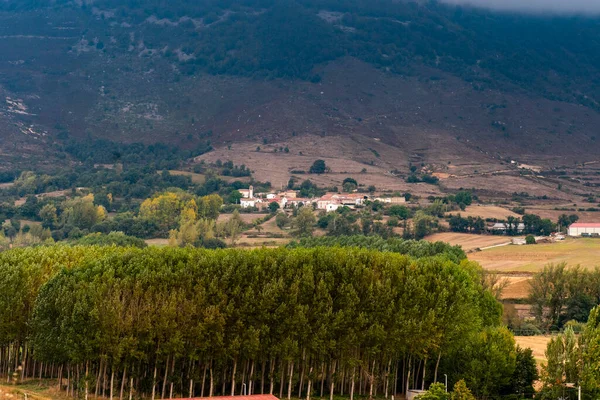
{"type": "Point", "coordinates": [304, 223]}
{"type": "Point", "coordinates": [164, 209]}
{"type": "Point", "coordinates": [210, 206]}
{"type": "Point", "coordinates": [82, 213]}
{"type": "Point", "coordinates": [461, 392]}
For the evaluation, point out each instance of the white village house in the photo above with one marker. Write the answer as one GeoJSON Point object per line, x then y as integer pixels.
{"type": "Point", "coordinates": [329, 202]}
{"type": "Point", "coordinates": [332, 201]}
{"type": "Point", "coordinates": [247, 193]}
{"type": "Point", "coordinates": [249, 203]}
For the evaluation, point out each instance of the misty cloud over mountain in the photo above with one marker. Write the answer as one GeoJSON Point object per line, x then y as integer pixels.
{"type": "Point", "coordinates": [536, 6]}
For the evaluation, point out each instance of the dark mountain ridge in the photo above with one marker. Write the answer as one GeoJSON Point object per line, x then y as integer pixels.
{"type": "Point", "coordinates": [187, 72]}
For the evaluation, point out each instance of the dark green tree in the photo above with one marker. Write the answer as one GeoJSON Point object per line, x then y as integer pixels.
{"type": "Point", "coordinates": [318, 167]}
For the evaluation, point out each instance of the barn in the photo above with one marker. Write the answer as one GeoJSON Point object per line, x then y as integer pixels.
{"type": "Point", "coordinates": [582, 229]}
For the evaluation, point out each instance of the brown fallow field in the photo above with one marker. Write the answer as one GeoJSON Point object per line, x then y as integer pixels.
{"type": "Point", "coordinates": [468, 241]}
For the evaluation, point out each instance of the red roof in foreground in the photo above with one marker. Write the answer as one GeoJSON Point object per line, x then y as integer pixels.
{"type": "Point", "coordinates": [251, 397]}
{"type": "Point", "coordinates": [585, 225]}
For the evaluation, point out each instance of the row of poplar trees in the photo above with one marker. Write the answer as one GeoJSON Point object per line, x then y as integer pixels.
{"type": "Point", "coordinates": [319, 322]}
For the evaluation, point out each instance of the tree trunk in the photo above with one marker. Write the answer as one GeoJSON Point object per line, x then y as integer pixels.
{"type": "Point", "coordinates": [123, 383]}
{"type": "Point", "coordinates": [272, 370]}
{"type": "Point", "coordinates": [360, 380]}
{"type": "Point", "coordinates": [332, 381]}
{"type": "Point", "coordinates": [112, 381]}
{"type": "Point", "coordinates": [24, 363]}
{"type": "Point", "coordinates": [211, 386]}
{"type": "Point", "coordinates": [281, 379]}
{"type": "Point", "coordinates": [164, 385]}
{"type": "Point", "coordinates": [437, 365]}
{"type": "Point", "coordinates": [387, 378]}
{"type": "Point", "coordinates": [416, 375]}
{"type": "Point", "coordinates": [233, 376]}
{"type": "Point", "coordinates": [302, 373]}
{"type": "Point", "coordinates": [203, 381]}
{"type": "Point", "coordinates": [352, 385]}
{"type": "Point", "coordinates": [87, 371]}
{"type": "Point", "coordinates": [103, 391]}
{"type": "Point", "coordinates": [343, 381]}
{"type": "Point", "coordinates": [396, 378]}
{"type": "Point", "coordinates": [243, 381]}
{"type": "Point", "coordinates": [424, 370]}
{"type": "Point", "coordinates": [172, 372]}
{"type": "Point", "coordinates": [309, 388]}
{"type": "Point", "coordinates": [262, 377]}
{"type": "Point", "coordinates": [251, 379]}
{"type": "Point", "coordinates": [407, 386]}
{"type": "Point", "coordinates": [60, 374]}
{"type": "Point", "coordinates": [289, 394]}
{"type": "Point", "coordinates": [98, 378]}
{"type": "Point", "coordinates": [372, 381]}
{"type": "Point", "coordinates": [322, 378]}
{"type": "Point", "coordinates": [154, 381]}
{"type": "Point", "coordinates": [131, 388]}
{"type": "Point", "coordinates": [224, 382]}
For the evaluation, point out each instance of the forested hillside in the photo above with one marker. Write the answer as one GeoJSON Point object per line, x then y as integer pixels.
{"type": "Point", "coordinates": [554, 55]}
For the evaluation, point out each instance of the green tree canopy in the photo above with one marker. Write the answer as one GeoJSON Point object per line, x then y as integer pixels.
{"type": "Point", "coordinates": [318, 167]}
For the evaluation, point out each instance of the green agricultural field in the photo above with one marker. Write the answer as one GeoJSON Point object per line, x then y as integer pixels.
{"type": "Point", "coordinates": [585, 252]}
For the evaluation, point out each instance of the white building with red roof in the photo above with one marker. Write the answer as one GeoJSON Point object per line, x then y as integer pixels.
{"type": "Point", "coordinates": [332, 201]}
{"type": "Point", "coordinates": [583, 229]}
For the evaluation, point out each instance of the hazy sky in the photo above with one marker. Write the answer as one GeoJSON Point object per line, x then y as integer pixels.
{"type": "Point", "coordinates": [542, 6]}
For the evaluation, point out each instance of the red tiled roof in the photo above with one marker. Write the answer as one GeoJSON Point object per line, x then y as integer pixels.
{"type": "Point", "coordinates": [585, 225]}
{"type": "Point", "coordinates": [251, 397]}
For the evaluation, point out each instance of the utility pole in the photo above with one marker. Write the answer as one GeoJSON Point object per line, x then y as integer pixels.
{"type": "Point", "coordinates": [446, 380]}
{"type": "Point", "coordinates": [579, 393]}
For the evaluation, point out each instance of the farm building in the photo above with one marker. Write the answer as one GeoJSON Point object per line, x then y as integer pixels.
{"type": "Point", "coordinates": [579, 229]}
{"type": "Point", "coordinates": [391, 200]}
{"type": "Point", "coordinates": [504, 227]}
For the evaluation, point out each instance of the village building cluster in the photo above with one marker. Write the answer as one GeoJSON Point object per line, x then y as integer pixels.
{"type": "Point", "coordinates": [327, 202]}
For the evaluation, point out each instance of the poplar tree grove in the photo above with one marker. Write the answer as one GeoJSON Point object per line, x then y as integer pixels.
{"type": "Point", "coordinates": [302, 322]}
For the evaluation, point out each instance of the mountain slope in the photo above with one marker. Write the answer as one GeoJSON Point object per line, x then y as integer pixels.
{"type": "Point", "coordinates": [437, 83]}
